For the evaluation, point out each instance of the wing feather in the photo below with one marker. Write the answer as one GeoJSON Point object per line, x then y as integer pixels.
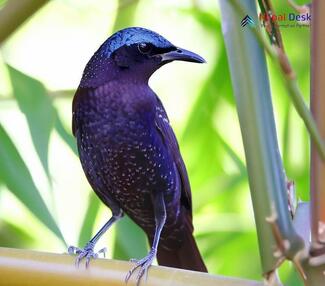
{"type": "Point", "coordinates": [167, 133]}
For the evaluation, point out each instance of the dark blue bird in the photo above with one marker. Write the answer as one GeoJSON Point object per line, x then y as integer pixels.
{"type": "Point", "coordinates": [128, 149]}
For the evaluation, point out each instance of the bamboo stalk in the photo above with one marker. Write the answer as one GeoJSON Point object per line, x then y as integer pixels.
{"type": "Point", "coordinates": [317, 102]}
{"type": "Point", "coordinates": [14, 13]}
{"type": "Point", "coordinates": [25, 267]}
{"type": "Point", "coordinates": [271, 27]}
{"type": "Point", "coordinates": [254, 106]}
{"type": "Point", "coordinates": [291, 84]}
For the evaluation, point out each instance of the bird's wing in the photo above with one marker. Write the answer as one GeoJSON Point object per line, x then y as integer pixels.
{"type": "Point", "coordinates": [169, 138]}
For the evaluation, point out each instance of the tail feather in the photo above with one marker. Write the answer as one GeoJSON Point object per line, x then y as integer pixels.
{"type": "Point", "coordinates": [177, 247]}
{"type": "Point", "coordinates": [187, 256]}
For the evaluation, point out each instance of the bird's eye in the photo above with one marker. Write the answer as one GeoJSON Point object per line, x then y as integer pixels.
{"type": "Point", "coordinates": [144, 48]}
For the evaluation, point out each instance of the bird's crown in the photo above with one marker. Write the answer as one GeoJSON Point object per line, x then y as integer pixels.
{"type": "Point", "coordinates": [130, 36]}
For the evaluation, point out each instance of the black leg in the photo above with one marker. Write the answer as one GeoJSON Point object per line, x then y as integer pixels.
{"type": "Point", "coordinates": [160, 218]}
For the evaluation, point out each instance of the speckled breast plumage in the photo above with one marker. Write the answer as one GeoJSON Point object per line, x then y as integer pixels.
{"type": "Point", "coordinates": [122, 154]}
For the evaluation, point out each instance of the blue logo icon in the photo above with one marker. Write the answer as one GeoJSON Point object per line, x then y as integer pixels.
{"type": "Point", "coordinates": [247, 20]}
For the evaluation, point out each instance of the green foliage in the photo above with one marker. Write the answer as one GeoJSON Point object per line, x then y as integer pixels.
{"type": "Point", "coordinates": [34, 102]}
{"type": "Point", "coordinates": [64, 134]}
{"type": "Point", "coordinates": [17, 178]}
{"type": "Point", "coordinates": [129, 240]}
{"type": "Point", "coordinates": [2, 3]}
{"type": "Point", "coordinates": [86, 229]}
{"type": "Point", "coordinates": [14, 236]}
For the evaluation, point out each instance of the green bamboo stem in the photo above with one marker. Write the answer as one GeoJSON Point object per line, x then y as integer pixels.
{"type": "Point", "coordinates": [14, 13]}
{"type": "Point", "coordinates": [317, 102]}
{"type": "Point", "coordinates": [274, 33]}
{"type": "Point", "coordinates": [254, 106]}
{"type": "Point", "coordinates": [290, 81]}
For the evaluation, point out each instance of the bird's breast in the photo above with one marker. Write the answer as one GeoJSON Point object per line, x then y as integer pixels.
{"type": "Point", "coordinates": [118, 113]}
{"type": "Point", "coordinates": [122, 153]}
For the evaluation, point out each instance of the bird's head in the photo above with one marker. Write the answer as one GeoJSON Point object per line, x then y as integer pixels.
{"type": "Point", "coordinates": [135, 53]}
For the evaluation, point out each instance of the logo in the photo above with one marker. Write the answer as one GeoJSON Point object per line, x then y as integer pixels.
{"type": "Point", "coordinates": [300, 18]}
{"type": "Point", "coordinates": [247, 20]}
{"type": "Point", "coordinates": [283, 20]}
{"type": "Point", "coordinates": [286, 20]}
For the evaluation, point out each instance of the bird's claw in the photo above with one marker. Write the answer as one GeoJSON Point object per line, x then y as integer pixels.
{"type": "Point", "coordinates": [143, 264]}
{"type": "Point", "coordinates": [87, 252]}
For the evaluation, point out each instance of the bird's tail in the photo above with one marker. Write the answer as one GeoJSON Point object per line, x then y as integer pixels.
{"type": "Point", "coordinates": [187, 256]}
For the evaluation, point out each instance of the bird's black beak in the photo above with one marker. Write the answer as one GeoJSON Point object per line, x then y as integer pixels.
{"type": "Point", "coordinates": [181, 55]}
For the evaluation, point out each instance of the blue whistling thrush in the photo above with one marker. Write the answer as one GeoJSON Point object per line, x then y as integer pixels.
{"type": "Point", "coordinates": [128, 149]}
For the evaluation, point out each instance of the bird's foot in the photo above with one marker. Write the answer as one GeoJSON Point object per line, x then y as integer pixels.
{"type": "Point", "coordinates": [143, 264]}
{"type": "Point", "coordinates": [87, 252]}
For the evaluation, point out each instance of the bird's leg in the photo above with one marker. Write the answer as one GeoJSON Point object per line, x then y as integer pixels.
{"type": "Point", "coordinates": [88, 251]}
{"type": "Point", "coordinates": [160, 218]}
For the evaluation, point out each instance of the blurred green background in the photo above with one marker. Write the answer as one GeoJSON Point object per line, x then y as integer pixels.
{"type": "Point", "coordinates": [43, 191]}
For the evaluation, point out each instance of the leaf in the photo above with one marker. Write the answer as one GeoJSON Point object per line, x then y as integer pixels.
{"type": "Point", "coordinates": [16, 176]}
{"type": "Point", "coordinates": [130, 241]}
{"type": "Point", "coordinates": [14, 236]}
{"type": "Point", "coordinates": [204, 107]}
{"type": "Point", "coordinates": [200, 132]}
{"type": "Point", "coordinates": [231, 152]}
{"type": "Point", "coordinates": [243, 246]}
{"type": "Point", "coordinates": [34, 102]}
{"type": "Point", "coordinates": [89, 219]}
{"type": "Point", "coordinates": [221, 185]}
{"type": "Point", "coordinates": [64, 134]}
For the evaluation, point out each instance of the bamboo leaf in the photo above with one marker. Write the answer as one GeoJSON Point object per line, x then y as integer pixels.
{"type": "Point", "coordinates": [38, 109]}
{"type": "Point", "coordinates": [231, 152]}
{"type": "Point", "coordinates": [14, 236]}
{"type": "Point", "coordinates": [64, 134]}
{"type": "Point", "coordinates": [89, 219]}
{"type": "Point", "coordinates": [130, 241]}
{"type": "Point", "coordinates": [16, 176]}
